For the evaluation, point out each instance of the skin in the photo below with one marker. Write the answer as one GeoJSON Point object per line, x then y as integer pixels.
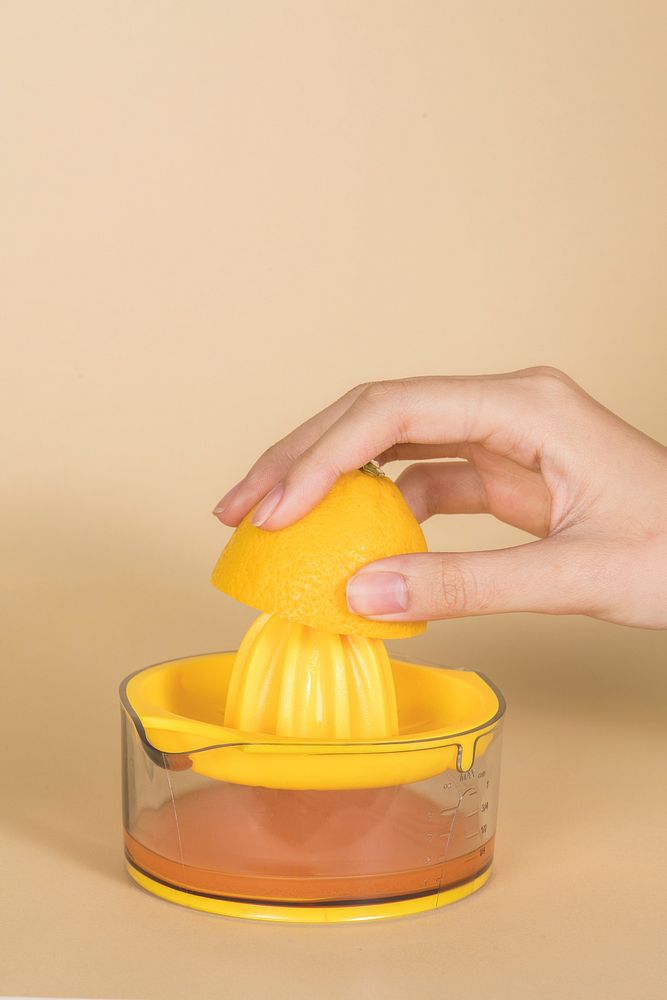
{"type": "Point", "coordinates": [530, 447]}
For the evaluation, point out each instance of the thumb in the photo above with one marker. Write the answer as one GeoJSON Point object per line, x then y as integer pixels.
{"type": "Point", "coordinates": [553, 575]}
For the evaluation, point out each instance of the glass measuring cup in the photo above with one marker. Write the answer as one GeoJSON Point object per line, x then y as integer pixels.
{"type": "Point", "coordinates": [311, 831]}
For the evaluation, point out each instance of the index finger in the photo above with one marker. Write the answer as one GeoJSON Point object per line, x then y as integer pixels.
{"type": "Point", "coordinates": [271, 466]}
{"type": "Point", "coordinates": [501, 411]}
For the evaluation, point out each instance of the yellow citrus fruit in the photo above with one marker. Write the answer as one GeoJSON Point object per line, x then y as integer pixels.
{"type": "Point", "coordinates": [300, 572]}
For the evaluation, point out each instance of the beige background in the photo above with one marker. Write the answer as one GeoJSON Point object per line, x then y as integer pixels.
{"type": "Point", "coordinates": [217, 217]}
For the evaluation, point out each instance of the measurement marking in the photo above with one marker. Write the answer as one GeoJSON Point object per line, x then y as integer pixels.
{"type": "Point", "coordinates": [452, 809]}
{"type": "Point", "coordinates": [469, 836]}
{"type": "Point", "coordinates": [475, 813]}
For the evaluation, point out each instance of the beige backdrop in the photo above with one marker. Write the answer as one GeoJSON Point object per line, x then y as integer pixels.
{"type": "Point", "coordinates": [217, 217]}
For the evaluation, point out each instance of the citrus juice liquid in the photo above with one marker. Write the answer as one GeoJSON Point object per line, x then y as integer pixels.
{"type": "Point", "coordinates": [307, 846]}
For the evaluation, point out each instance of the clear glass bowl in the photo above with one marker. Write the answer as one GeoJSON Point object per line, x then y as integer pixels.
{"type": "Point", "coordinates": [379, 828]}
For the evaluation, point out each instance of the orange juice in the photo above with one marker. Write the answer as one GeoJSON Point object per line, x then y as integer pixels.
{"type": "Point", "coordinates": [350, 846]}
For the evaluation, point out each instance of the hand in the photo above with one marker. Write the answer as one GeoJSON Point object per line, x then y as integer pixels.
{"type": "Point", "coordinates": [534, 450]}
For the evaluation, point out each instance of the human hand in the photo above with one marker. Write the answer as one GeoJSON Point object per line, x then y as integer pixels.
{"type": "Point", "coordinates": [534, 450]}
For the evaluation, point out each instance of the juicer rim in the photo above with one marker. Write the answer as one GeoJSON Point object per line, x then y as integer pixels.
{"type": "Point", "coordinates": [305, 743]}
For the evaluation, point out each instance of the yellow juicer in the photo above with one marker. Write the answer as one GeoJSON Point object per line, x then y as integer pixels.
{"type": "Point", "coordinates": [309, 776]}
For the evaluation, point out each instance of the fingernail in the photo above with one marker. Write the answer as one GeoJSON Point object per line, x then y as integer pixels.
{"type": "Point", "coordinates": [221, 504]}
{"type": "Point", "coordinates": [377, 593]}
{"type": "Point", "coordinates": [267, 506]}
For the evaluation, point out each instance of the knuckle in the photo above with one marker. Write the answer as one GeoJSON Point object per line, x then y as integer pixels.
{"type": "Point", "coordinates": [422, 477]}
{"type": "Point", "coordinates": [548, 379]}
{"type": "Point", "coordinates": [548, 371]}
{"type": "Point", "coordinates": [313, 464]}
{"type": "Point", "coordinates": [256, 477]}
{"type": "Point", "coordinates": [415, 472]}
{"type": "Point", "coordinates": [263, 467]}
{"type": "Point", "coordinates": [455, 589]}
{"type": "Point", "coordinates": [391, 387]}
{"type": "Point", "coordinates": [388, 396]}
{"type": "Point", "coordinates": [376, 392]}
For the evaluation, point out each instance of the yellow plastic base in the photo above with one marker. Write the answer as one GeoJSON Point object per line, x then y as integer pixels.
{"type": "Point", "coordinates": [447, 719]}
{"type": "Point", "coordinates": [308, 914]}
